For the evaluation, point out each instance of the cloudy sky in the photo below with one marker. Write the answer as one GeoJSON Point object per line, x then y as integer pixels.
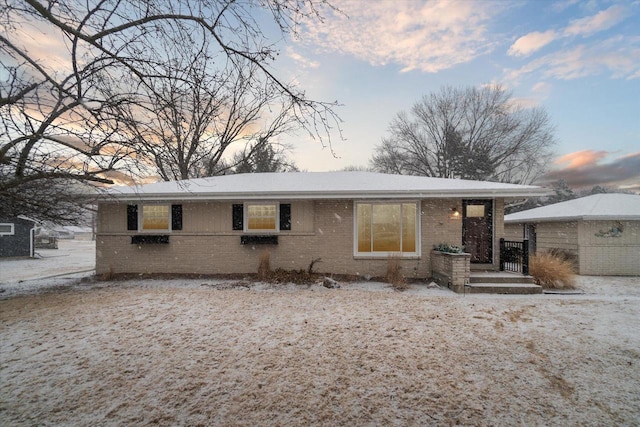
{"type": "Point", "coordinates": [580, 60]}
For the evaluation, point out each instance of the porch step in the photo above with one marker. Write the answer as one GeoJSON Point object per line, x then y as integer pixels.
{"type": "Point", "coordinates": [501, 282]}
{"type": "Point", "coordinates": [499, 277]}
{"type": "Point", "coordinates": [503, 288]}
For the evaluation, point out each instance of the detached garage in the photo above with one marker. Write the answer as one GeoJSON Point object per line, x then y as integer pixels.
{"type": "Point", "coordinates": [601, 232]}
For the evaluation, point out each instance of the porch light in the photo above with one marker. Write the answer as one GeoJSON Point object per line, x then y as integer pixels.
{"type": "Point", "coordinates": [455, 213]}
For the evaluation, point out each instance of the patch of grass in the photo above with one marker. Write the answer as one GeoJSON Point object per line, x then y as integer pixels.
{"type": "Point", "coordinates": [552, 271]}
{"type": "Point", "coordinates": [394, 276]}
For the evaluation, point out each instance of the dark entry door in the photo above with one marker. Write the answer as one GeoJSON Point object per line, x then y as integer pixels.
{"type": "Point", "coordinates": [477, 230]}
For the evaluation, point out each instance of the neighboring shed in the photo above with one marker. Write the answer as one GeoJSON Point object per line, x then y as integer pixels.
{"type": "Point", "coordinates": [16, 237]}
{"type": "Point", "coordinates": [601, 232]}
{"type": "Point", "coordinates": [74, 232]}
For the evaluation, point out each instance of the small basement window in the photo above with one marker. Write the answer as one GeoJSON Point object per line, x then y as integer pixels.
{"type": "Point", "coordinates": [7, 229]}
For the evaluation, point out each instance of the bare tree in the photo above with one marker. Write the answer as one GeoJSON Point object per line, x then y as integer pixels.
{"type": "Point", "coordinates": [63, 119]}
{"type": "Point", "coordinates": [263, 157]}
{"type": "Point", "coordinates": [186, 119]}
{"type": "Point", "coordinates": [470, 134]}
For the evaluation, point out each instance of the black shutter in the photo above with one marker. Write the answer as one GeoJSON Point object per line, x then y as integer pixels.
{"type": "Point", "coordinates": [132, 217]}
{"type": "Point", "coordinates": [285, 216]}
{"type": "Point", "coordinates": [176, 217]}
{"type": "Point", "coordinates": [238, 217]}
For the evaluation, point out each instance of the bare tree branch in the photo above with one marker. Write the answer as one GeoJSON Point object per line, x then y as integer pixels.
{"type": "Point", "coordinates": [470, 134]}
{"type": "Point", "coordinates": [93, 112]}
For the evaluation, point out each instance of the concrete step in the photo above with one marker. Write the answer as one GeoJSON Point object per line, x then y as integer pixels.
{"type": "Point", "coordinates": [499, 277]}
{"type": "Point", "coordinates": [503, 288]}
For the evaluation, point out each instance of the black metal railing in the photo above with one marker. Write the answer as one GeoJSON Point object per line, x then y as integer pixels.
{"type": "Point", "coordinates": [514, 256]}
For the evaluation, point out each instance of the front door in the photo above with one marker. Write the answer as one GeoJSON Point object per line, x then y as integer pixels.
{"type": "Point", "coordinates": [477, 230]}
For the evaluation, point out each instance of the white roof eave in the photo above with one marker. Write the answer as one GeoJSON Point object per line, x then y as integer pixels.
{"type": "Point", "coordinates": [300, 195]}
{"type": "Point", "coordinates": [574, 218]}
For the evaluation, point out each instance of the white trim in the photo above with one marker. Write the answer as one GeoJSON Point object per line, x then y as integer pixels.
{"type": "Point", "coordinates": [155, 230]}
{"type": "Point", "coordinates": [12, 230]}
{"type": "Point", "coordinates": [418, 230]}
{"type": "Point", "coordinates": [32, 238]}
{"type": "Point", "coordinates": [319, 185]}
{"type": "Point", "coordinates": [331, 195]}
{"type": "Point", "coordinates": [245, 216]}
{"type": "Point", "coordinates": [572, 218]}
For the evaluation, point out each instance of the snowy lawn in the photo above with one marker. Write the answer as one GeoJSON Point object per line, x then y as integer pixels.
{"type": "Point", "coordinates": [187, 352]}
{"type": "Point", "coordinates": [71, 256]}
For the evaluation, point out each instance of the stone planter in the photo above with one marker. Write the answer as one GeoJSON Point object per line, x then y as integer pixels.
{"type": "Point", "coordinates": [451, 270]}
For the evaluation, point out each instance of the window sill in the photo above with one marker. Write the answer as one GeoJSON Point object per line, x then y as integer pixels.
{"type": "Point", "coordinates": [386, 256]}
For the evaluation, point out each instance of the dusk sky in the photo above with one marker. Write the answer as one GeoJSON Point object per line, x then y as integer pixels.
{"type": "Point", "coordinates": [580, 60]}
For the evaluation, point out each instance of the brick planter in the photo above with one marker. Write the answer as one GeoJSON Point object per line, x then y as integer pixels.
{"type": "Point", "coordinates": [450, 270]}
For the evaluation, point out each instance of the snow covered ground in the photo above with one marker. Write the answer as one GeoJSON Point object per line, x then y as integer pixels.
{"type": "Point", "coordinates": [71, 256]}
{"type": "Point", "coordinates": [210, 352]}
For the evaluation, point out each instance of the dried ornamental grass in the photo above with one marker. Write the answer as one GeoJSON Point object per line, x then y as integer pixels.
{"type": "Point", "coordinates": [552, 272]}
{"type": "Point", "coordinates": [393, 276]}
{"type": "Point", "coordinates": [264, 266]}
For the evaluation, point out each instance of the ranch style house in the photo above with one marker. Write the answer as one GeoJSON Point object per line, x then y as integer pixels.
{"type": "Point", "coordinates": [351, 221]}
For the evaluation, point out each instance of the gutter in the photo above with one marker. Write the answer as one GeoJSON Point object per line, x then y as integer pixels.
{"type": "Point", "coordinates": [575, 218]}
{"type": "Point", "coordinates": [342, 195]}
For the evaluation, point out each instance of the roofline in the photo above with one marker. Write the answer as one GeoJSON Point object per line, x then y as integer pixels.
{"type": "Point", "coordinates": [302, 195]}
{"type": "Point", "coordinates": [575, 218]}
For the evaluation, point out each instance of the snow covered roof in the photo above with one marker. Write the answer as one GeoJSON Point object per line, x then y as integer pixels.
{"type": "Point", "coordinates": [597, 206]}
{"type": "Point", "coordinates": [318, 185]}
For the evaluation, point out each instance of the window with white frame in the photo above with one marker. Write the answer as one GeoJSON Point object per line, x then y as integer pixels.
{"type": "Point", "coordinates": [387, 228]}
{"type": "Point", "coordinates": [7, 229]}
{"type": "Point", "coordinates": [262, 217]}
{"type": "Point", "coordinates": [155, 218]}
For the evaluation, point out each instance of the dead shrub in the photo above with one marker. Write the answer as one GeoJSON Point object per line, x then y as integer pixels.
{"type": "Point", "coordinates": [393, 276]}
{"type": "Point", "coordinates": [551, 271]}
{"type": "Point", "coordinates": [264, 266]}
{"type": "Point", "coordinates": [109, 276]}
{"type": "Point", "coordinates": [298, 277]}
{"type": "Point", "coordinates": [565, 255]}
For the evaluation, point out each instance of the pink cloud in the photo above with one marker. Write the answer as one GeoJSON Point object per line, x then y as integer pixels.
{"type": "Point", "coordinates": [427, 36]}
{"type": "Point", "coordinates": [601, 21]}
{"type": "Point", "coordinates": [586, 169]}
{"type": "Point", "coordinates": [532, 42]}
{"type": "Point", "coordinates": [581, 158]}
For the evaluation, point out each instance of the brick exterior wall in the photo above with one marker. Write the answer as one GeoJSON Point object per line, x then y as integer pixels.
{"type": "Point", "coordinates": [207, 245]}
{"type": "Point", "coordinates": [451, 270]}
{"type": "Point", "coordinates": [601, 254]}
{"type": "Point", "coordinates": [594, 252]}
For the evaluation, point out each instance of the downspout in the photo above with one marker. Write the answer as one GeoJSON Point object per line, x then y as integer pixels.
{"type": "Point", "coordinates": [32, 237]}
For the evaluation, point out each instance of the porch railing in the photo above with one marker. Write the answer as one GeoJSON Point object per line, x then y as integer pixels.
{"type": "Point", "coordinates": [514, 256]}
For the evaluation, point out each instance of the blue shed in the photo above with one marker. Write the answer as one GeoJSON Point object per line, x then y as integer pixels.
{"type": "Point", "coordinates": [16, 237]}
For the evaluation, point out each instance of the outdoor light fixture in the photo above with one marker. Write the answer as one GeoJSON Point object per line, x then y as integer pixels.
{"type": "Point", "coordinates": [454, 212]}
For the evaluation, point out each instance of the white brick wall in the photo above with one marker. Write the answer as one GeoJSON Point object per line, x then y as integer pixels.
{"type": "Point", "coordinates": [326, 232]}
